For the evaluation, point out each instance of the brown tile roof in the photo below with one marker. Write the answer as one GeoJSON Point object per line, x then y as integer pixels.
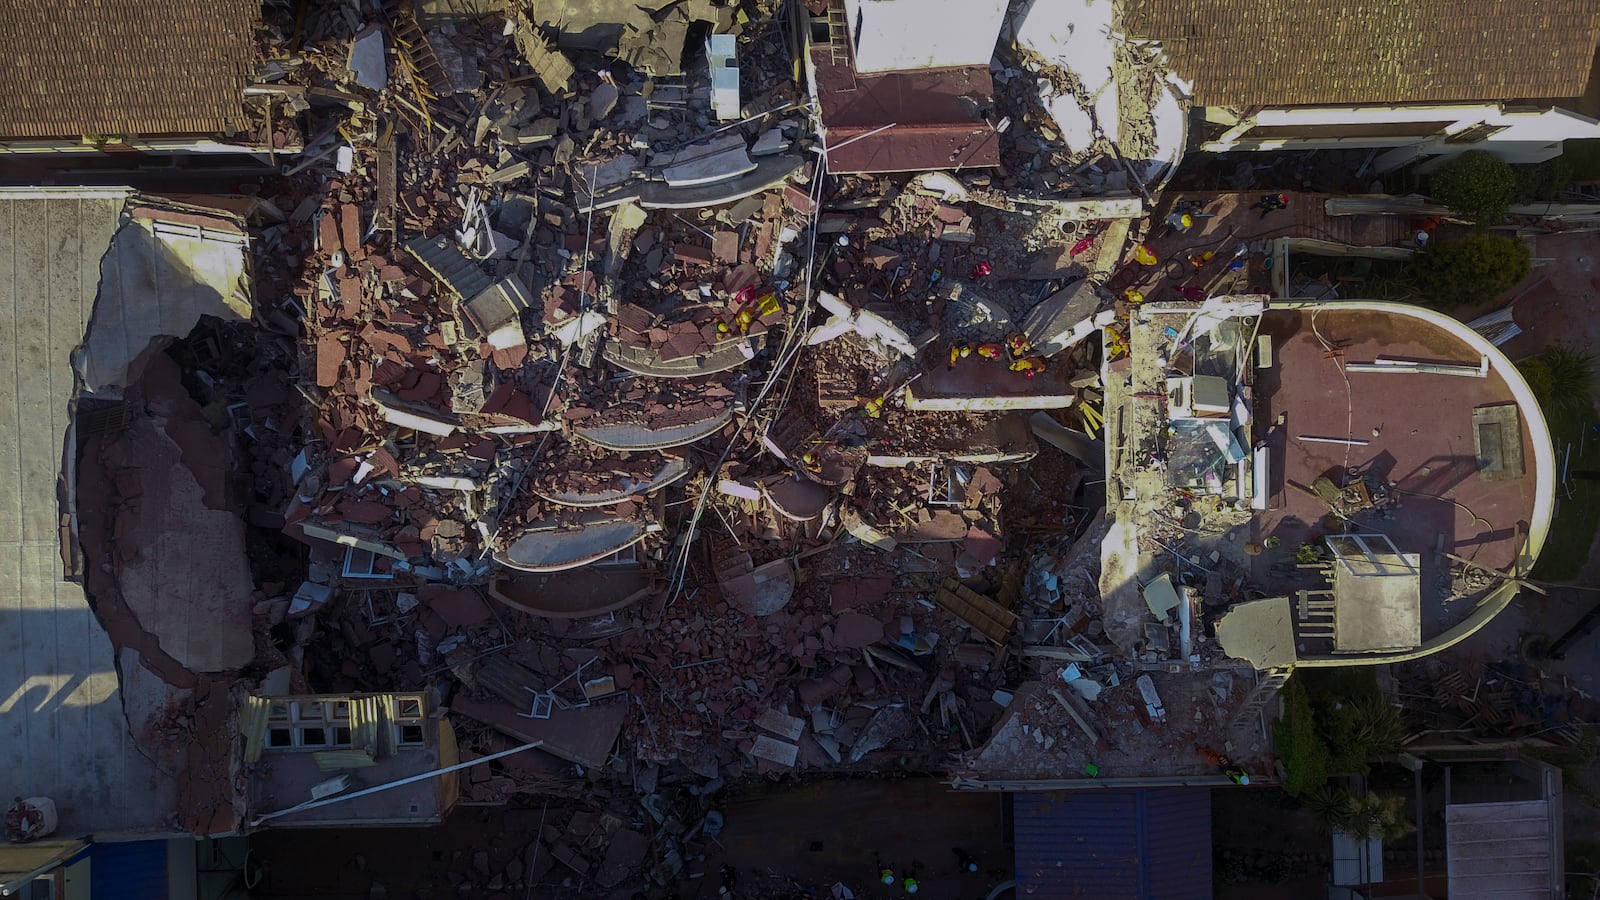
{"type": "Point", "coordinates": [1307, 52]}
{"type": "Point", "coordinates": [124, 67]}
{"type": "Point", "coordinates": [937, 116]}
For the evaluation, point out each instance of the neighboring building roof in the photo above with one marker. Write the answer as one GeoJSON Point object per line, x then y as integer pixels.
{"type": "Point", "coordinates": [935, 117]}
{"type": "Point", "coordinates": [1243, 53]}
{"type": "Point", "coordinates": [66, 736]}
{"type": "Point", "coordinates": [1502, 850]}
{"type": "Point", "coordinates": [123, 67]}
{"type": "Point", "coordinates": [1130, 844]}
{"type": "Point", "coordinates": [132, 870]}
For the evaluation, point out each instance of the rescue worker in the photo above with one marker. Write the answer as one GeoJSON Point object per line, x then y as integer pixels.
{"type": "Point", "coordinates": [910, 884]}
{"type": "Point", "coordinates": [1029, 366]}
{"type": "Point", "coordinates": [1214, 757]}
{"type": "Point", "coordinates": [1272, 203]}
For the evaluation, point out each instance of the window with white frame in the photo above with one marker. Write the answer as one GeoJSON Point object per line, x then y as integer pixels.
{"type": "Point", "coordinates": [313, 723]}
{"type": "Point", "coordinates": [308, 724]}
{"type": "Point", "coordinates": [408, 722]}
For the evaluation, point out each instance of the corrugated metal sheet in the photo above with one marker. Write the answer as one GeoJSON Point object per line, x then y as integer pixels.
{"type": "Point", "coordinates": [136, 870]}
{"type": "Point", "coordinates": [1501, 850]}
{"type": "Point", "coordinates": [1114, 844]}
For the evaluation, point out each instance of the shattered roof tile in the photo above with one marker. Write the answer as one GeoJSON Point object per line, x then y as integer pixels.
{"type": "Point", "coordinates": [124, 68]}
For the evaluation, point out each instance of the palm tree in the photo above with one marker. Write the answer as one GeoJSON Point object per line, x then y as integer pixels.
{"type": "Point", "coordinates": [1361, 816]}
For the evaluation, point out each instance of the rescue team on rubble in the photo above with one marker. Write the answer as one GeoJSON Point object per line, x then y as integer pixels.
{"type": "Point", "coordinates": [1014, 351]}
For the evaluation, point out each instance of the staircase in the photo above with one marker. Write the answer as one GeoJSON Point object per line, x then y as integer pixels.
{"type": "Point", "coordinates": [838, 34]}
{"type": "Point", "coordinates": [1272, 681]}
{"type": "Point", "coordinates": [414, 47]}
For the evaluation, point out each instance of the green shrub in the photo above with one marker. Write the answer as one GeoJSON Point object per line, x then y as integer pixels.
{"type": "Point", "coordinates": [1536, 372]}
{"type": "Point", "coordinates": [1583, 157]}
{"type": "Point", "coordinates": [1544, 181]}
{"type": "Point", "coordinates": [1304, 755]}
{"type": "Point", "coordinates": [1571, 388]}
{"type": "Point", "coordinates": [1469, 270]}
{"type": "Point", "coordinates": [1362, 816]}
{"type": "Point", "coordinates": [1475, 185]}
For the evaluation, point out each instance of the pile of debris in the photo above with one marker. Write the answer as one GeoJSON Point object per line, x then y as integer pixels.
{"type": "Point", "coordinates": [625, 421]}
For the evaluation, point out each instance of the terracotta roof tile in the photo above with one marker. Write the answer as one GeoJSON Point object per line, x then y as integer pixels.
{"type": "Point", "coordinates": [71, 68]}
{"type": "Point", "coordinates": [1308, 52]}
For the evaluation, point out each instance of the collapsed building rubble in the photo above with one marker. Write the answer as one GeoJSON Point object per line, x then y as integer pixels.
{"type": "Point", "coordinates": [624, 426]}
{"type": "Point", "coordinates": [608, 372]}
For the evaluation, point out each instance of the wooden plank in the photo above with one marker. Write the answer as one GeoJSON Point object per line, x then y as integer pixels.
{"type": "Point", "coordinates": [989, 618]}
{"type": "Point", "coordinates": [1076, 716]}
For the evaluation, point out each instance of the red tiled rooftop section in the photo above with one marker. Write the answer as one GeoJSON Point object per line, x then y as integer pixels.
{"type": "Point", "coordinates": [123, 68]}
{"type": "Point", "coordinates": [1425, 423]}
{"type": "Point", "coordinates": [936, 114]}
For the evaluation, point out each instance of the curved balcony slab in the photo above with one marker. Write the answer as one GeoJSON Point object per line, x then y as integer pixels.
{"type": "Point", "coordinates": [797, 499]}
{"type": "Point", "coordinates": [726, 356]}
{"type": "Point", "coordinates": [548, 548]}
{"type": "Point", "coordinates": [628, 436]}
{"type": "Point", "coordinates": [592, 591]}
{"type": "Point", "coordinates": [674, 470]}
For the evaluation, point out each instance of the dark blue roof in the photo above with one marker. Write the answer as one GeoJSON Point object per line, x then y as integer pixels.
{"type": "Point", "coordinates": [1111, 844]}
{"type": "Point", "coordinates": [136, 870]}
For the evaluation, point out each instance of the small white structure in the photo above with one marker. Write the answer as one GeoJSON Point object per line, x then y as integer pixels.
{"type": "Point", "coordinates": [722, 54]}
{"type": "Point", "coordinates": [1413, 131]}
{"type": "Point", "coordinates": [896, 35]}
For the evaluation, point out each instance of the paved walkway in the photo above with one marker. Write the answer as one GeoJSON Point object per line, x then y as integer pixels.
{"type": "Point", "coordinates": [832, 831]}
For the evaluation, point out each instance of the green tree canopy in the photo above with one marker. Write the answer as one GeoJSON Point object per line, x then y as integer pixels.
{"type": "Point", "coordinates": [1469, 270]}
{"type": "Point", "coordinates": [1475, 185]}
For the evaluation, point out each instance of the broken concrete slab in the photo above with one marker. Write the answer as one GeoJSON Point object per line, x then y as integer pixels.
{"type": "Point", "coordinates": [764, 590]}
{"type": "Point", "coordinates": [398, 412]}
{"type": "Point", "coordinates": [769, 172]}
{"type": "Point", "coordinates": [713, 167]}
{"type": "Point", "coordinates": [771, 141]}
{"type": "Point", "coordinates": [553, 546]}
{"type": "Point", "coordinates": [1077, 444]}
{"type": "Point", "coordinates": [781, 724]}
{"type": "Point", "coordinates": [582, 735]}
{"type": "Point", "coordinates": [672, 470]}
{"type": "Point", "coordinates": [725, 356]}
{"type": "Point", "coordinates": [572, 594]}
{"type": "Point", "coordinates": [624, 852]}
{"type": "Point", "coordinates": [775, 751]}
{"type": "Point", "coordinates": [797, 499]}
{"type": "Point", "coordinates": [1066, 317]}
{"type": "Point", "coordinates": [853, 630]}
{"type": "Point", "coordinates": [869, 326]}
{"type": "Point", "coordinates": [639, 436]}
{"type": "Point", "coordinates": [978, 385]}
{"type": "Point", "coordinates": [368, 66]}
{"type": "Point", "coordinates": [496, 312]}
{"type": "Point", "coordinates": [168, 265]}
{"type": "Point", "coordinates": [854, 592]}
{"type": "Point", "coordinates": [602, 101]}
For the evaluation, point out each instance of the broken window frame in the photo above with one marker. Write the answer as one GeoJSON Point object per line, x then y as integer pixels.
{"type": "Point", "coordinates": [298, 720]}
{"type": "Point", "coordinates": [365, 570]}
